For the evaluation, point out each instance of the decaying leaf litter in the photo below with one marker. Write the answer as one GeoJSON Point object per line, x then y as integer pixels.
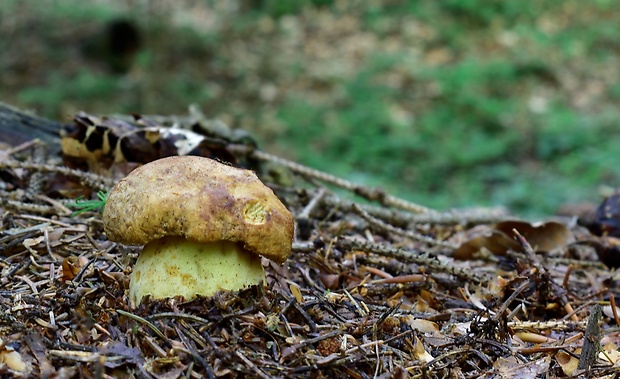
{"type": "Point", "coordinates": [376, 286]}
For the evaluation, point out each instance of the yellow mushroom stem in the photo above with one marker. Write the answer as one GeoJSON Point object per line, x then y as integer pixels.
{"type": "Point", "coordinates": [176, 266]}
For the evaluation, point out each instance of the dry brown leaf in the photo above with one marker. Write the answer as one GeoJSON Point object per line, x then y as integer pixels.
{"type": "Point", "coordinates": [330, 281]}
{"type": "Point", "coordinates": [13, 360]}
{"type": "Point", "coordinates": [511, 368]}
{"type": "Point", "coordinates": [31, 242]}
{"type": "Point", "coordinates": [462, 328]}
{"type": "Point", "coordinates": [610, 353]}
{"type": "Point", "coordinates": [543, 237]}
{"type": "Point", "coordinates": [71, 266]}
{"type": "Point", "coordinates": [421, 325]}
{"type": "Point", "coordinates": [420, 353]}
{"type": "Point", "coordinates": [568, 362]}
{"type": "Point", "coordinates": [488, 239]}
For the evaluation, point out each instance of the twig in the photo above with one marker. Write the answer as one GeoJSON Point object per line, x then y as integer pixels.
{"type": "Point", "coordinates": [30, 283]}
{"type": "Point", "coordinates": [97, 182]}
{"type": "Point", "coordinates": [18, 148]}
{"type": "Point", "coordinates": [83, 356]}
{"type": "Point", "coordinates": [614, 308]}
{"type": "Point", "coordinates": [544, 274]}
{"type": "Point", "coordinates": [147, 323]}
{"type": "Point", "coordinates": [439, 218]}
{"type": "Point", "coordinates": [305, 213]}
{"type": "Point", "coordinates": [61, 208]}
{"type": "Point", "coordinates": [182, 316]}
{"type": "Point", "coordinates": [251, 365]}
{"type": "Point", "coordinates": [542, 325]}
{"type": "Point", "coordinates": [559, 261]}
{"type": "Point", "coordinates": [510, 298]}
{"type": "Point", "coordinates": [401, 279]}
{"type": "Point", "coordinates": [80, 274]}
{"type": "Point", "coordinates": [151, 343]}
{"type": "Point", "coordinates": [359, 309]}
{"type": "Point", "coordinates": [29, 207]}
{"type": "Point", "coordinates": [592, 340]}
{"type": "Point", "coordinates": [197, 357]}
{"type": "Point", "coordinates": [374, 194]}
{"type": "Point", "coordinates": [392, 229]}
{"type": "Point", "coordinates": [39, 155]}
{"type": "Point", "coordinates": [422, 259]}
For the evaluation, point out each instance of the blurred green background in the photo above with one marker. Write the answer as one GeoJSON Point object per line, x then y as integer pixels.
{"type": "Point", "coordinates": [450, 103]}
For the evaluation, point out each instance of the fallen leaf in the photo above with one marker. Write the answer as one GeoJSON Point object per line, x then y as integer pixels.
{"type": "Point", "coordinates": [420, 353]}
{"type": "Point", "coordinates": [543, 237]}
{"type": "Point", "coordinates": [330, 281]}
{"type": "Point", "coordinates": [610, 353]}
{"type": "Point", "coordinates": [421, 325]}
{"type": "Point", "coordinates": [609, 312]}
{"type": "Point", "coordinates": [130, 354]}
{"type": "Point", "coordinates": [484, 238]}
{"type": "Point", "coordinates": [30, 242]}
{"type": "Point", "coordinates": [568, 362]}
{"type": "Point", "coordinates": [13, 360]}
{"type": "Point", "coordinates": [71, 266]}
{"type": "Point", "coordinates": [34, 340]}
{"type": "Point", "coordinates": [511, 368]}
{"type": "Point", "coordinates": [461, 328]}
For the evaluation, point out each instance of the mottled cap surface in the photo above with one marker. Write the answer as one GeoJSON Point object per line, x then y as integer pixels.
{"type": "Point", "coordinates": [200, 199]}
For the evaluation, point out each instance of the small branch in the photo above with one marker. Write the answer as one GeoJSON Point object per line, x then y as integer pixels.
{"type": "Point", "coordinates": [392, 229]}
{"type": "Point", "coordinates": [251, 365]}
{"type": "Point", "coordinates": [147, 323]}
{"type": "Point", "coordinates": [305, 213]}
{"type": "Point", "coordinates": [438, 218]}
{"type": "Point", "coordinates": [422, 259]}
{"type": "Point", "coordinates": [374, 194]}
{"type": "Point", "coordinates": [591, 340]}
{"type": "Point", "coordinates": [543, 273]}
{"type": "Point", "coordinates": [97, 182]}
{"type": "Point", "coordinates": [28, 207]}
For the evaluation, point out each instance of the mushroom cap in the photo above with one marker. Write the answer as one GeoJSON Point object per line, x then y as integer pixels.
{"type": "Point", "coordinates": [202, 200]}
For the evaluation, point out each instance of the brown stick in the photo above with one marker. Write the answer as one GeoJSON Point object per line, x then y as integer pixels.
{"type": "Point", "coordinates": [592, 340]}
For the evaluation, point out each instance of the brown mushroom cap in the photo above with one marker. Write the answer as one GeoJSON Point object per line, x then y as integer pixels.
{"type": "Point", "coordinates": [199, 199]}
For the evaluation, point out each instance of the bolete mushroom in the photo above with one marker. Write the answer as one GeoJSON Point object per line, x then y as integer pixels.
{"type": "Point", "coordinates": [203, 224]}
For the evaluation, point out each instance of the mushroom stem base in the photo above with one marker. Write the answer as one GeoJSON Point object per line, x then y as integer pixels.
{"type": "Point", "coordinates": [175, 266]}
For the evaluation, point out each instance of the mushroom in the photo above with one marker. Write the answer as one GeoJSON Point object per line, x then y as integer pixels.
{"type": "Point", "coordinates": [203, 224]}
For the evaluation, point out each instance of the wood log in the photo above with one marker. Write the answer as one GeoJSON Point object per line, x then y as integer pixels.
{"type": "Point", "coordinates": [18, 126]}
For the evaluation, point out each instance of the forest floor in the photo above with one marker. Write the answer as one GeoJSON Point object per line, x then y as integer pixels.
{"type": "Point", "coordinates": [376, 287]}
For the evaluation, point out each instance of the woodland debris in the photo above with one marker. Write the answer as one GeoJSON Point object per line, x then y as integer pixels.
{"type": "Point", "coordinates": [370, 290]}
